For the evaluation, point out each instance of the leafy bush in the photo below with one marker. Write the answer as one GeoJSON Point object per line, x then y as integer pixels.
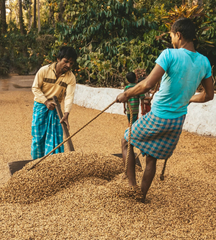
{"type": "Point", "coordinates": [102, 35]}
{"type": "Point", "coordinates": [111, 37]}
{"type": "Point", "coordinates": [4, 61]}
{"type": "Point", "coordinates": [205, 28]}
{"type": "Point", "coordinates": [25, 53]}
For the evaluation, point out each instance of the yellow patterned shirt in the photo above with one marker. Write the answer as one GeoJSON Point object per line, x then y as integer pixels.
{"type": "Point", "coordinates": [46, 85]}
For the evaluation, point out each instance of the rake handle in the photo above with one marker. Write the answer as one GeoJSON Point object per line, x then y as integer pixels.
{"type": "Point", "coordinates": [64, 125]}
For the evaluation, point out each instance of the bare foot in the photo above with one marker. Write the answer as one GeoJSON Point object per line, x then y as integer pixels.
{"type": "Point", "coordinates": [132, 182]}
{"type": "Point", "coordinates": [136, 188]}
{"type": "Point", "coordinates": [143, 199]}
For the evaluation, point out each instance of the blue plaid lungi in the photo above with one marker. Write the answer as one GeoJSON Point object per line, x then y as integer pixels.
{"type": "Point", "coordinates": [156, 136]}
{"type": "Point", "coordinates": [46, 131]}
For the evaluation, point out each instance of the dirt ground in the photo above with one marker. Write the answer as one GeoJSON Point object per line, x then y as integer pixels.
{"type": "Point", "coordinates": [183, 206]}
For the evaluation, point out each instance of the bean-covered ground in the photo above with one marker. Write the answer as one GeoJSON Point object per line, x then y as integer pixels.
{"type": "Point", "coordinates": [82, 195]}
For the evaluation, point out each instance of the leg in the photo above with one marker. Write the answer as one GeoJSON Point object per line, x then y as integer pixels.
{"type": "Point", "coordinates": [131, 162]}
{"type": "Point", "coordinates": [162, 173]}
{"type": "Point", "coordinates": [148, 175]}
{"type": "Point", "coordinates": [54, 133]}
{"type": "Point", "coordinates": [38, 130]}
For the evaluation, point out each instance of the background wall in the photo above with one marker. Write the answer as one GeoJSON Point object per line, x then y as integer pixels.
{"type": "Point", "coordinates": [201, 117]}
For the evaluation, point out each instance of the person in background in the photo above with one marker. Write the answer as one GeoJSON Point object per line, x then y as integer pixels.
{"type": "Point", "coordinates": [135, 100]}
{"type": "Point", "coordinates": [58, 80]}
{"type": "Point", "coordinates": [156, 133]}
{"type": "Point", "coordinates": [146, 103]}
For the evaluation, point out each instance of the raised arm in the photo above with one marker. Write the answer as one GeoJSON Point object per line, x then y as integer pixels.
{"type": "Point", "coordinates": [207, 94]}
{"type": "Point", "coordinates": [68, 101]}
{"type": "Point", "coordinates": [144, 86]}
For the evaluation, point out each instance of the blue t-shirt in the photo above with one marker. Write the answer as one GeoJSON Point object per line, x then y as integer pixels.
{"type": "Point", "coordinates": [184, 70]}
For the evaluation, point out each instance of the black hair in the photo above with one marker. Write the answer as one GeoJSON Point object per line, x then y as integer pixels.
{"type": "Point", "coordinates": [67, 52]}
{"type": "Point", "coordinates": [131, 77]}
{"type": "Point", "coordinates": [186, 27]}
{"type": "Point", "coordinates": [140, 79]}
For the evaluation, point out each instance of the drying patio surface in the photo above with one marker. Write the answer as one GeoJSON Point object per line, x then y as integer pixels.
{"type": "Point", "coordinates": [81, 194]}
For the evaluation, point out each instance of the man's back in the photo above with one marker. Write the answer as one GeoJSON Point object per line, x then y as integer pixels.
{"type": "Point", "coordinates": [184, 70]}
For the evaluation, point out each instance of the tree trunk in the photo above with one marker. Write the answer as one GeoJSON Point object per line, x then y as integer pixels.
{"type": "Point", "coordinates": [39, 24]}
{"type": "Point", "coordinates": [3, 17]}
{"type": "Point", "coordinates": [17, 13]}
{"type": "Point", "coordinates": [34, 13]}
{"type": "Point", "coordinates": [30, 15]}
{"type": "Point", "coordinates": [21, 18]}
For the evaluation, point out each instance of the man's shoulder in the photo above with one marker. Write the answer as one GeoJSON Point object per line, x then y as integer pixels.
{"type": "Point", "coordinates": [202, 56]}
{"type": "Point", "coordinates": [70, 74]}
{"type": "Point", "coordinates": [172, 51]}
{"type": "Point", "coordinates": [130, 85]}
{"type": "Point", "coordinates": [45, 67]}
{"type": "Point", "coordinates": [177, 53]}
{"type": "Point", "coordinates": [167, 53]}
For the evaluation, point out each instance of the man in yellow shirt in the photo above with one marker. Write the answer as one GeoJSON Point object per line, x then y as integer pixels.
{"type": "Point", "coordinates": [51, 80]}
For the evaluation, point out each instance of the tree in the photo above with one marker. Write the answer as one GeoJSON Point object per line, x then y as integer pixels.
{"type": "Point", "coordinates": [21, 23]}
{"type": "Point", "coordinates": [34, 14]}
{"type": "Point", "coordinates": [39, 24]}
{"type": "Point", "coordinates": [3, 17]}
{"type": "Point", "coordinates": [27, 6]}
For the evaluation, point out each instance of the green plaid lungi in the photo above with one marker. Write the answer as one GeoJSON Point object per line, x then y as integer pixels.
{"type": "Point", "coordinates": [156, 136]}
{"type": "Point", "coordinates": [46, 131]}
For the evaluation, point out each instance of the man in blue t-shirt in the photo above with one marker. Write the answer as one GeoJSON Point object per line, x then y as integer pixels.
{"type": "Point", "coordinates": [180, 70]}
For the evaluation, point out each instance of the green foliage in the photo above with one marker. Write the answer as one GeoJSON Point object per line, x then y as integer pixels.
{"type": "Point", "coordinates": [101, 34]}
{"type": "Point", "coordinates": [73, 10]}
{"type": "Point", "coordinates": [111, 37]}
{"type": "Point", "coordinates": [150, 5]}
{"type": "Point", "coordinates": [102, 22]}
{"type": "Point", "coordinates": [209, 6]}
{"type": "Point", "coordinates": [130, 55]}
{"type": "Point", "coordinates": [4, 66]}
{"type": "Point", "coordinates": [199, 18]}
{"type": "Point", "coordinates": [205, 28]}
{"type": "Point", "coordinates": [24, 53]}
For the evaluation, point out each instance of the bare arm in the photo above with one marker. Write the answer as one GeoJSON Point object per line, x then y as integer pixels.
{"type": "Point", "coordinates": [68, 101]}
{"type": "Point", "coordinates": [144, 86]}
{"type": "Point", "coordinates": [207, 94]}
